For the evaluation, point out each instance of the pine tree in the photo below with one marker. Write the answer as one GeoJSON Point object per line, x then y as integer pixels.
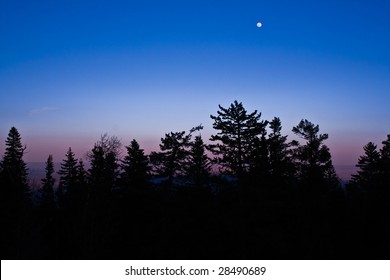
{"type": "Point", "coordinates": [96, 173]}
{"type": "Point", "coordinates": [103, 172]}
{"type": "Point", "coordinates": [81, 189]}
{"type": "Point", "coordinates": [135, 166]}
{"type": "Point", "coordinates": [81, 174]}
{"type": "Point", "coordinates": [383, 206]}
{"type": "Point", "coordinates": [68, 180]}
{"type": "Point", "coordinates": [314, 159]}
{"type": "Point", "coordinates": [47, 201]}
{"type": "Point", "coordinates": [280, 164]}
{"type": "Point", "coordinates": [14, 171]}
{"type": "Point", "coordinates": [14, 197]}
{"type": "Point", "coordinates": [237, 137]}
{"type": "Point", "coordinates": [198, 164]}
{"type": "Point", "coordinates": [259, 166]}
{"type": "Point", "coordinates": [170, 160]}
{"type": "Point", "coordinates": [384, 164]}
{"type": "Point", "coordinates": [105, 158]}
{"type": "Point", "coordinates": [368, 164]}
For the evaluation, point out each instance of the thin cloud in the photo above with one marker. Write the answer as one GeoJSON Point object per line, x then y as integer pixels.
{"type": "Point", "coordinates": [42, 110]}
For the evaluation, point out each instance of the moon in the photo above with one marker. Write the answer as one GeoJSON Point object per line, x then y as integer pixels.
{"type": "Point", "coordinates": [259, 24]}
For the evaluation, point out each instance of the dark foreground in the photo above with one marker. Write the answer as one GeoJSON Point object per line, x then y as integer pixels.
{"type": "Point", "coordinates": [222, 222]}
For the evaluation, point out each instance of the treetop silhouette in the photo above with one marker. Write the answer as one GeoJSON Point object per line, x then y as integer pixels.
{"type": "Point", "coordinates": [13, 168]}
{"type": "Point", "coordinates": [286, 193]}
{"type": "Point", "coordinates": [313, 159]}
{"type": "Point", "coordinates": [237, 134]}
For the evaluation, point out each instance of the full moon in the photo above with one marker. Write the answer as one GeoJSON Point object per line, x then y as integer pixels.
{"type": "Point", "coordinates": [259, 24]}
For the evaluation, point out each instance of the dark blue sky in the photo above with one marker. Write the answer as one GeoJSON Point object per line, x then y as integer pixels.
{"type": "Point", "coordinates": [72, 70]}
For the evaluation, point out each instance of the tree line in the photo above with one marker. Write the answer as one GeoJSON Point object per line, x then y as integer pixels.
{"type": "Point", "coordinates": [251, 193]}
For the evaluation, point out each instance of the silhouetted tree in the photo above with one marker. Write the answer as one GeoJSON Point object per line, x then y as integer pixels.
{"type": "Point", "coordinates": [382, 212]}
{"type": "Point", "coordinates": [313, 158]}
{"type": "Point", "coordinates": [170, 160]}
{"type": "Point", "coordinates": [319, 201]}
{"type": "Point", "coordinates": [237, 136]}
{"type": "Point", "coordinates": [303, 214]}
{"type": "Point", "coordinates": [47, 211]}
{"type": "Point", "coordinates": [368, 164]}
{"type": "Point", "coordinates": [135, 166]}
{"type": "Point", "coordinates": [198, 164]}
{"type": "Point", "coordinates": [240, 143]}
{"type": "Point", "coordinates": [280, 163]}
{"type": "Point", "coordinates": [68, 180]}
{"type": "Point", "coordinates": [15, 198]}
{"type": "Point", "coordinates": [109, 145]}
{"type": "Point", "coordinates": [370, 187]}
{"type": "Point", "coordinates": [96, 171]}
{"type": "Point", "coordinates": [104, 159]}
{"type": "Point", "coordinates": [46, 199]}
{"type": "Point", "coordinates": [259, 164]}
{"type": "Point", "coordinates": [81, 174]}
{"type": "Point", "coordinates": [14, 171]}
{"type": "Point", "coordinates": [81, 190]}
{"type": "Point", "coordinates": [384, 164]}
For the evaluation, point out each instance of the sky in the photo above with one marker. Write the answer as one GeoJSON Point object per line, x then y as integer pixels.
{"type": "Point", "coordinates": [71, 70]}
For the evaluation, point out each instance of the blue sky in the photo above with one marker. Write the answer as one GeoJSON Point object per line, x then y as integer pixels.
{"type": "Point", "coordinates": [73, 70]}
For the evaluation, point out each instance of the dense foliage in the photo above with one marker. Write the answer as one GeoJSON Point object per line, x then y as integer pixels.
{"type": "Point", "coordinates": [251, 193]}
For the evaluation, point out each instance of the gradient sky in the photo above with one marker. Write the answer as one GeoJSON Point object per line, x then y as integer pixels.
{"type": "Point", "coordinates": [73, 70]}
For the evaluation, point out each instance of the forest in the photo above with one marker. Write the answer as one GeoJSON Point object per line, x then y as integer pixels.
{"type": "Point", "coordinates": [249, 194]}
